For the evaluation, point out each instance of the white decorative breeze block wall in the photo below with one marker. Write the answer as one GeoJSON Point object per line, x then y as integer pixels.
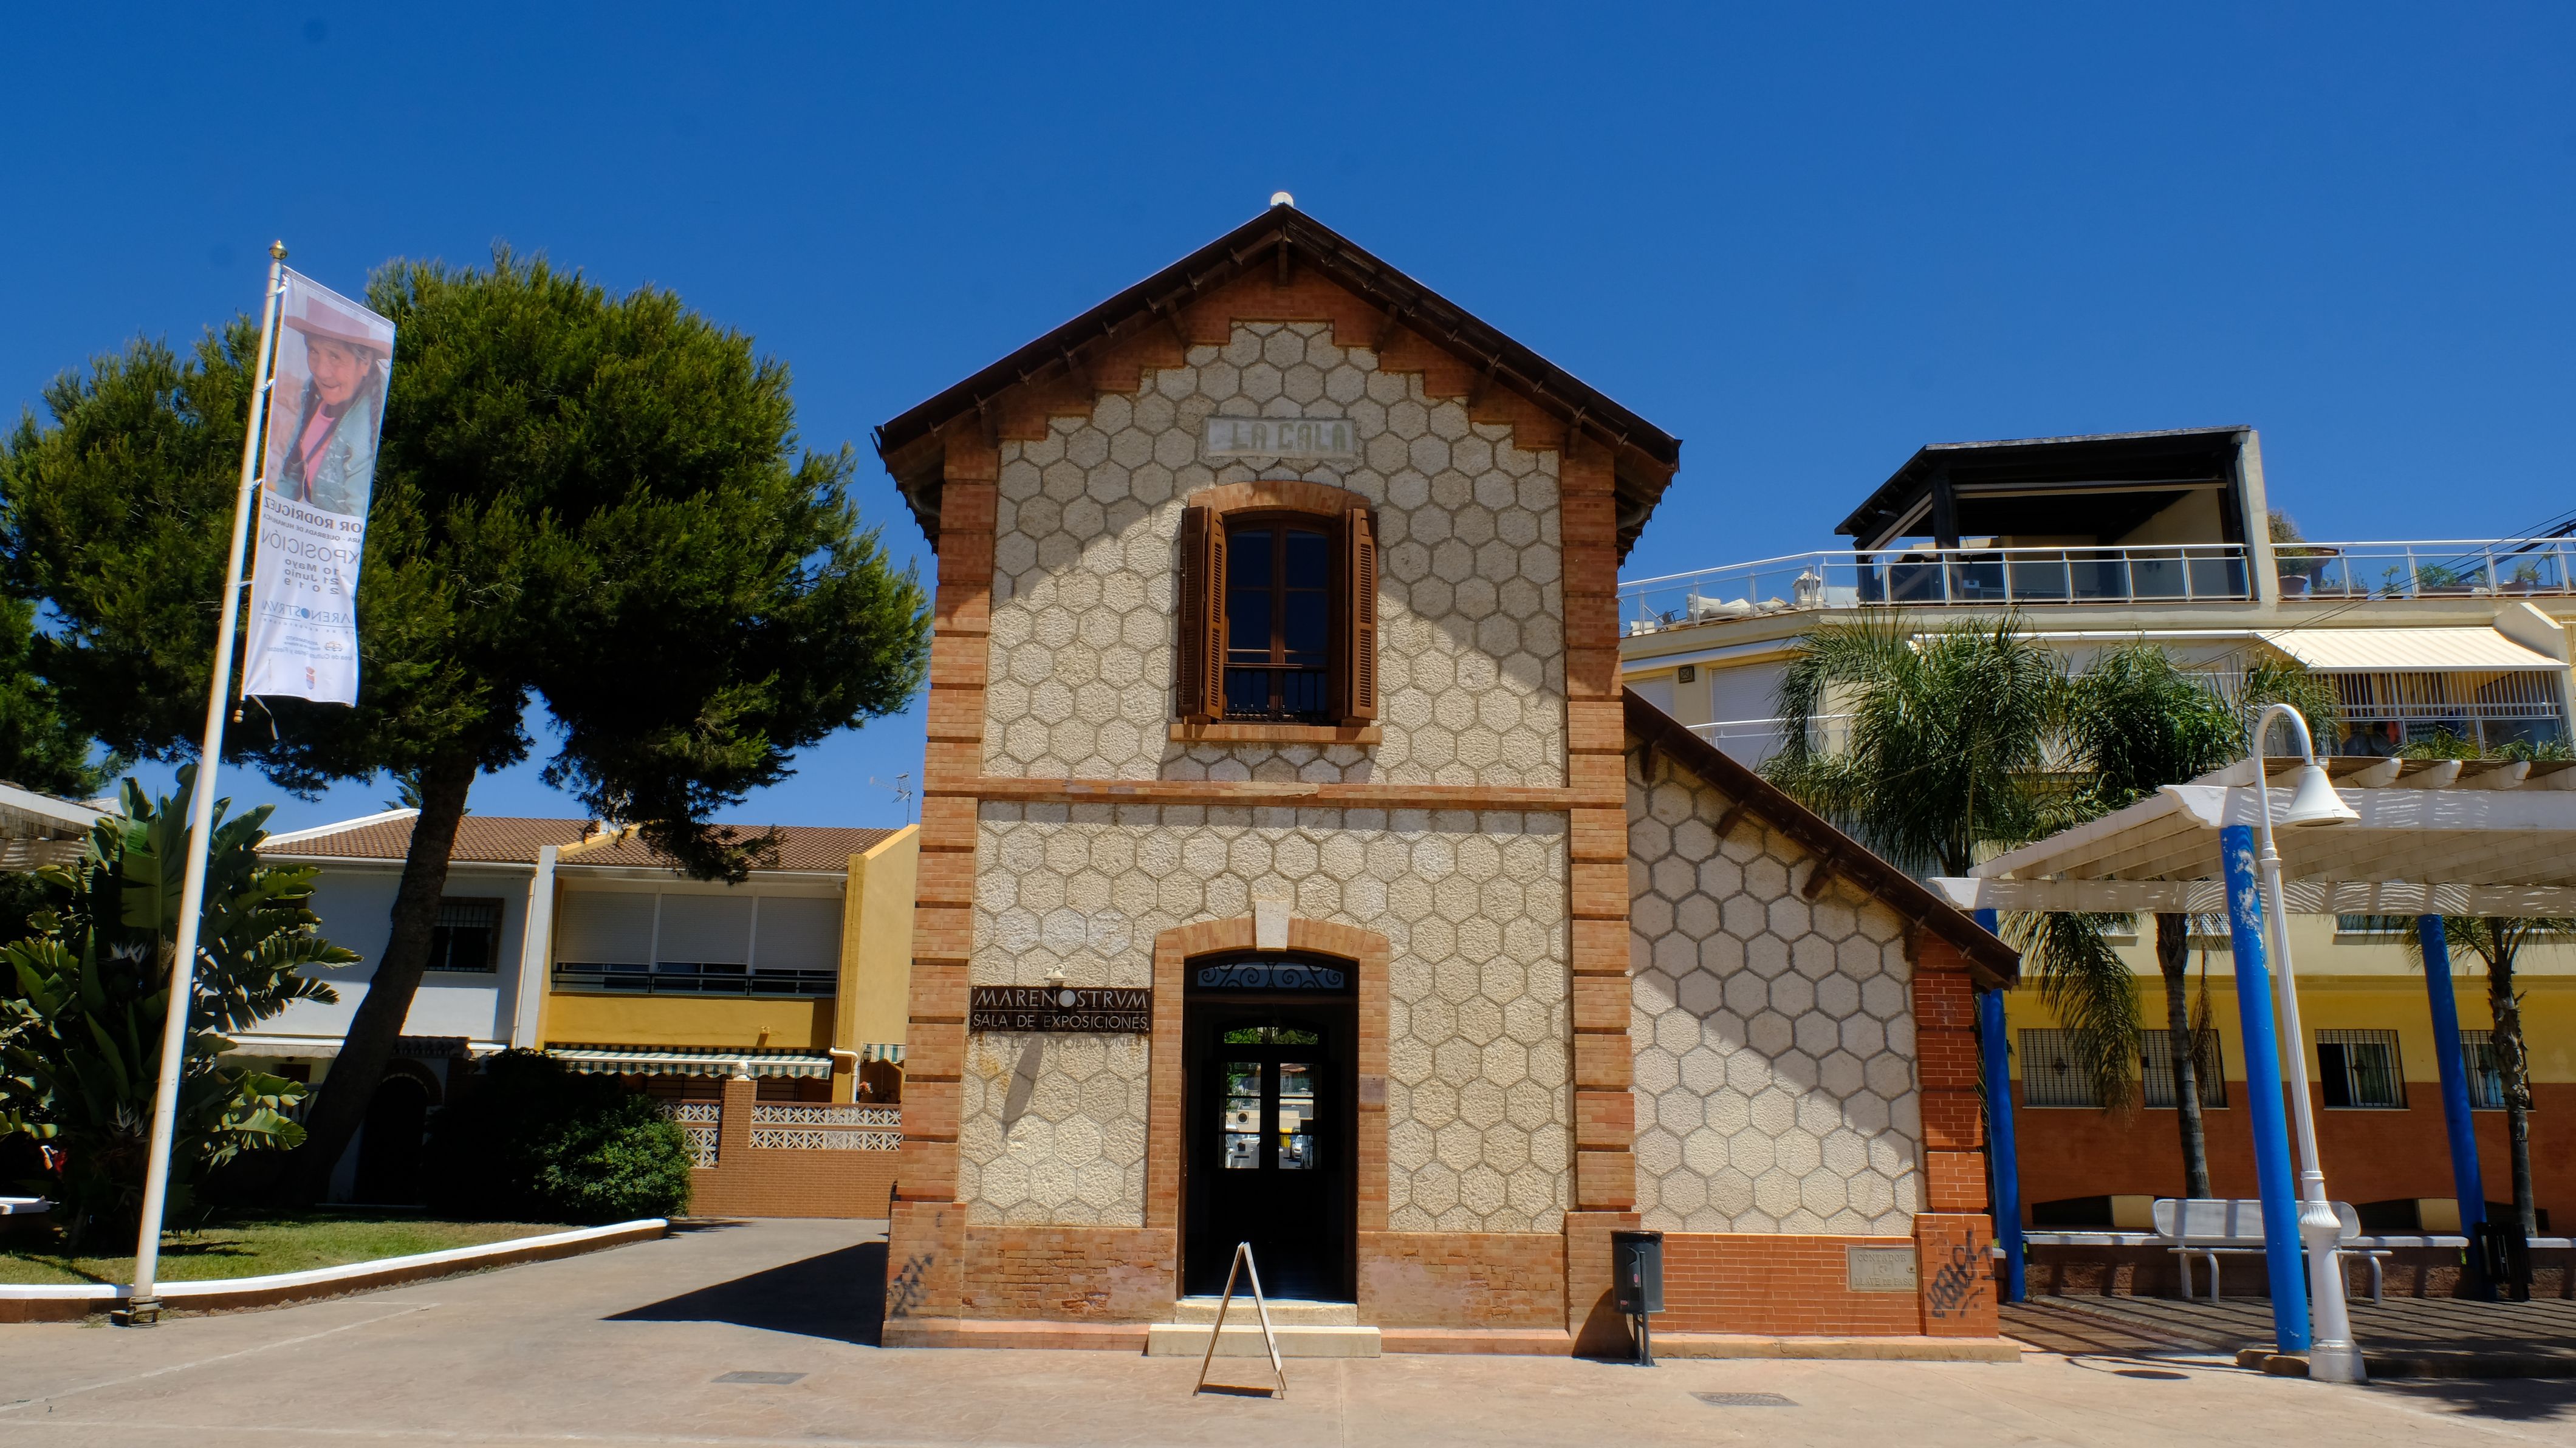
{"type": "Point", "coordinates": [1773, 1037]}
{"type": "Point", "coordinates": [1471, 655]}
{"type": "Point", "coordinates": [1479, 1104]}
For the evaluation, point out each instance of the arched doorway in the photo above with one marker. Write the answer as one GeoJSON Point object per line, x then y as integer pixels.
{"type": "Point", "coordinates": [389, 1148]}
{"type": "Point", "coordinates": [1270, 1049]}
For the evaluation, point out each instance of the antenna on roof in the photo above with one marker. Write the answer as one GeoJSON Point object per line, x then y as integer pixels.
{"type": "Point", "coordinates": [902, 790]}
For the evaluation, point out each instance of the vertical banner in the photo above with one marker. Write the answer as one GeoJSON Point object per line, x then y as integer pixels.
{"type": "Point", "coordinates": [318, 466]}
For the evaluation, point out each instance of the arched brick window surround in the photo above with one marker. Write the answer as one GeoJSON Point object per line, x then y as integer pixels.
{"type": "Point", "coordinates": [1173, 950]}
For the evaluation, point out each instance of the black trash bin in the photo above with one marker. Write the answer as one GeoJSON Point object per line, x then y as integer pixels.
{"type": "Point", "coordinates": [1637, 1283]}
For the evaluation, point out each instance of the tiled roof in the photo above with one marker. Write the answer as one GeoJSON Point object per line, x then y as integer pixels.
{"type": "Point", "coordinates": [505, 840]}
{"type": "Point", "coordinates": [482, 838]}
{"type": "Point", "coordinates": [800, 847]}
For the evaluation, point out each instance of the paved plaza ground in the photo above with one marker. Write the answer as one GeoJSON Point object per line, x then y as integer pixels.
{"type": "Point", "coordinates": [631, 1346]}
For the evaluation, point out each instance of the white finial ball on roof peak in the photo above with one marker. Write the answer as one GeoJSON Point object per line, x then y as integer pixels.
{"type": "Point", "coordinates": [1282, 198]}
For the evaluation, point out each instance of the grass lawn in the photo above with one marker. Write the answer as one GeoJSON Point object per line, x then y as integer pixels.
{"type": "Point", "coordinates": [252, 1244]}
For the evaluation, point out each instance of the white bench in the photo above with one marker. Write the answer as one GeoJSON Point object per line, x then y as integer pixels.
{"type": "Point", "coordinates": [2211, 1227]}
{"type": "Point", "coordinates": [24, 1206]}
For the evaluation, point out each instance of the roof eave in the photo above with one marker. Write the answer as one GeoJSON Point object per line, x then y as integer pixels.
{"type": "Point", "coordinates": [1647, 456]}
{"type": "Point", "coordinates": [1993, 963]}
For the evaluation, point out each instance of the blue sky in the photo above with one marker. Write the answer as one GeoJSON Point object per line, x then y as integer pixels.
{"type": "Point", "coordinates": [1805, 239]}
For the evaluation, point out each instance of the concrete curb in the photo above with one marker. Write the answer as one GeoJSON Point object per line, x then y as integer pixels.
{"type": "Point", "coordinates": [1529, 1342]}
{"type": "Point", "coordinates": [72, 1301]}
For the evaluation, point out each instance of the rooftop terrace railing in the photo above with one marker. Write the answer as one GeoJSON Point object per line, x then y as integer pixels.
{"type": "Point", "coordinates": [2425, 568]}
{"type": "Point", "coordinates": [2153, 573]}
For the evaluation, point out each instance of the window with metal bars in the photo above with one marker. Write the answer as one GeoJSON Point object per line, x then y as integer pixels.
{"type": "Point", "coordinates": [467, 937]}
{"type": "Point", "coordinates": [2486, 1070]}
{"type": "Point", "coordinates": [2359, 1071]}
{"type": "Point", "coordinates": [1278, 620]}
{"type": "Point", "coordinates": [2050, 1073]}
{"type": "Point", "coordinates": [2156, 1070]}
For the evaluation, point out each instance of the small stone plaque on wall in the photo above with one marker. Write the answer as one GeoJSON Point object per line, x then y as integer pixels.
{"type": "Point", "coordinates": [1878, 1269]}
{"type": "Point", "coordinates": [1042, 1008]}
{"type": "Point", "coordinates": [1314, 439]}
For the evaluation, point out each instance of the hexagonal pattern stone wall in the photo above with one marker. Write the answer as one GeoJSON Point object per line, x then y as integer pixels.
{"type": "Point", "coordinates": [1479, 1105]}
{"type": "Point", "coordinates": [1471, 641]}
{"type": "Point", "coordinates": [1773, 1037]}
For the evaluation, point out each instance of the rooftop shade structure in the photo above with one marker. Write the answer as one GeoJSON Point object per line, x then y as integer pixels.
{"type": "Point", "coordinates": [2430, 837]}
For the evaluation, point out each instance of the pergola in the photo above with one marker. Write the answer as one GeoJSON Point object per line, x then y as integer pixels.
{"type": "Point", "coordinates": [2431, 838]}
{"type": "Point", "coordinates": [2435, 837]}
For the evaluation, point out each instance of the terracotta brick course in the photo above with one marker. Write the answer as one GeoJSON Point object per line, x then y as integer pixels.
{"type": "Point", "coordinates": [1768, 1283]}
{"type": "Point", "coordinates": [1448, 1279]}
{"type": "Point", "coordinates": [1953, 1121]}
{"type": "Point", "coordinates": [1604, 1120]}
{"type": "Point", "coordinates": [1956, 1276]}
{"type": "Point", "coordinates": [1600, 1003]}
{"type": "Point", "coordinates": [1603, 1061]}
{"type": "Point", "coordinates": [1605, 1181]}
{"type": "Point", "coordinates": [1954, 1181]}
{"type": "Point", "coordinates": [1077, 1274]}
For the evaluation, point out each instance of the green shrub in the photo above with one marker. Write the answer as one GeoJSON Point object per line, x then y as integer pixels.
{"type": "Point", "coordinates": [533, 1141]}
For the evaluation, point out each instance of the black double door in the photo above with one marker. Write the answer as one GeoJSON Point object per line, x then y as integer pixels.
{"type": "Point", "coordinates": [1269, 1156]}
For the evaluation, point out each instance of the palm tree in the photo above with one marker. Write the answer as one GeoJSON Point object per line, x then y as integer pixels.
{"type": "Point", "coordinates": [1947, 730]}
{"type": "Point", "coordinates": [1965, 737]}
{"type": "Point", "coordinates": [2137, 722]}
{"type": "Point", "coordinates": [1948, 750]}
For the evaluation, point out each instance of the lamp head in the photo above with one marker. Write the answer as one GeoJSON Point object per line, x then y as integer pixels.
{"type": "Point", "coordinates": [2313, 800]}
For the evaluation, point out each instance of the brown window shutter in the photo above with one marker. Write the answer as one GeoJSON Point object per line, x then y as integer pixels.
{"type": "Point", "coordinates": [1199, 665]}
{"type": "Point", "coordinates": [1357, 679]}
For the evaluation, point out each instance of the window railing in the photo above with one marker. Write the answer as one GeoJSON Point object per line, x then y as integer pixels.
{"type": "Point", "coordinates": [1749, 742]}
{"type": "Point", "coordinates": [681, 979]}
{"type": "Point", "coordinates": [2426, 568]}
{"type": "Point", "coordinates": [2137, 573]}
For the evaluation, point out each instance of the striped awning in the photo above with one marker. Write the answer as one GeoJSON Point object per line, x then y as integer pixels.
{"type": "Point", "coordinates": [707, 1060]}
{"type": "Point", "coordinates": [2408, 650]}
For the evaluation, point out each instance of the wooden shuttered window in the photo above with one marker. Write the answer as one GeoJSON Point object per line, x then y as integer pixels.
{"type": "Point", "coordinates": [1199, 665]}
{"type": "Point", "coordinates": [1355, 663]}
{"type": "Point", "coordinates": [1350, 695]}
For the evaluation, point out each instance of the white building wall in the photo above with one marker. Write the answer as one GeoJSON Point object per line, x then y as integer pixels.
{"type": "Point", "coordinates": [355, 902]}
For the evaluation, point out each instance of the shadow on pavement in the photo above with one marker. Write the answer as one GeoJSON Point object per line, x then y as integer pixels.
{"type": "Point", "coordinates": [838, 1295]}
{"type": "Point", "coordinates": [2516, 1400]}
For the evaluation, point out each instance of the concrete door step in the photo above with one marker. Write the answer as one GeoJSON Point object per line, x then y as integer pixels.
{"type": "Point", "coordinates": [1284, 1312]}
{"type": "Point", "coordinates": [1190, 1339]}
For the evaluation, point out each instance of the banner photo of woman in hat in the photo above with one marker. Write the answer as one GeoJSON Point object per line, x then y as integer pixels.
{"type": "Point", "coordinates": [326, 409]}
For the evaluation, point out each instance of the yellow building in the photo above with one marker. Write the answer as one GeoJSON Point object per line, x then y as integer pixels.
{"type": "Point", "coordinates": [562, 935]}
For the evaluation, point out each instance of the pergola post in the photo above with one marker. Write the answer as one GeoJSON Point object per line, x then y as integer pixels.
{"type": "Point", "coordinates": [2263, 1108]}
{"type": "Point", "coordinates": [2465, 1180]}
{"type": "Point", "coordinates": [2002, 1157]}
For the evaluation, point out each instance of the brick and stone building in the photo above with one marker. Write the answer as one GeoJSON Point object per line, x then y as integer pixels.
{"type": "Point", "coordinates": [1275, 726]}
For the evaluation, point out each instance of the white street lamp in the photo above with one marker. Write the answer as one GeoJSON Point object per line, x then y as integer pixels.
{"type": "Point", "coordinates": [2332, 1357]}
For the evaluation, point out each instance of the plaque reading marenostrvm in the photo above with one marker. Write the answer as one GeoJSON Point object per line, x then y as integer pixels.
{"type": "Point", "coordinates": [1060, 1008]}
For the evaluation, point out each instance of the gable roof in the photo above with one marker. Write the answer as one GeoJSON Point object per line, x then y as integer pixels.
{"type": "Point", "coordinates": [1993, 962]}
{"type": "Point", "coordinates": [502, 839]}
{"type": "Point", "coordinates": [1646, 454]}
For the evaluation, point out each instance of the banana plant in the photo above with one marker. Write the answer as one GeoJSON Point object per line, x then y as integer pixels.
{"type": "Point", "coordinates": [83, 1001]}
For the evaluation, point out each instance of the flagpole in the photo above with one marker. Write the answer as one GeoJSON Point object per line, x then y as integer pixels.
{"type": "Point", "coordinates": [143, 1307]}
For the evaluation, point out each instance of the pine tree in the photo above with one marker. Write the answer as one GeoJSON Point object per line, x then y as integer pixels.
{"type": "Point", "coordinates": [593, 504]}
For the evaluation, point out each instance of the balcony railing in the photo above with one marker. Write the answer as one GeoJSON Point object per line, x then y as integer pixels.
{"type": "Point", "coordinates": [2157, 573]}
{"type": "Point", "coordinates": [673, 978]}
{"type": "Point", "coordinates": [1750, 742]}
{"type": "Point", "coordinates": [2431, 568]}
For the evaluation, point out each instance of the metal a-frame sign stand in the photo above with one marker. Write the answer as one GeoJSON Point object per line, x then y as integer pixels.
{"type": "Point", "coordinates": [1243, 1265]}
